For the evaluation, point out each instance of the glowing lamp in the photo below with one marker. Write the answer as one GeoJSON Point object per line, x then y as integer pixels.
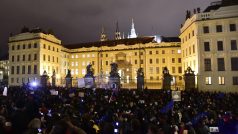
{"type": "Point", "coordinates": [34, 84]}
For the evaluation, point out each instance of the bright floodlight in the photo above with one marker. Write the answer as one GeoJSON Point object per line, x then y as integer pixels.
{"type": "Point", "coordinates": [34, 84]}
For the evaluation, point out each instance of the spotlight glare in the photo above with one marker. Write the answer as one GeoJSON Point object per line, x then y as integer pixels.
{"type": "Point", "coordinates": [34, 84]}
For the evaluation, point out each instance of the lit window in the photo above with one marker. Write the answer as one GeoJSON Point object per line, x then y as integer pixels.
{"type": "Point", "coordinates": [221, 80]}
{"type": "Point", "coordinates": [208, 80]}
{"type": "Point", "coordinates": [76, 71]}
{"type": "Point", "coordinates": [83, 71]}
{"type": "Point", "coordinates": [72, 72]}
{"type": "Point", "coordinates": [72, 63]}
{"type": "Point", "coordinates": [93, 55]}
{"type": "Point", "coordinates": [179, 51]}
{"type": "Point", "coordinates": [83, 63]}
{"type": "Point", "coordinates": [76, 63]}
{"type": "Point", "coordinates": [76, 56]}
{"type": "Point", "coordinates": [72, 56]}
{"type": "Point", "coordinates": [88, 55]}
{"type": "Point", "coordinates": [83, 56]}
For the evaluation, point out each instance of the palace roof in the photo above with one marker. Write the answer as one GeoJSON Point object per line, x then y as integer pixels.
{"type": "Point", "coordinates": [110, 43]}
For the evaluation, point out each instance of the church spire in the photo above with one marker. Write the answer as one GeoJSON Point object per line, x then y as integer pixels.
{"type": "Point", "coordinates": [103, 35]}
{"type": "Point", "coordinates": [133, 31]}
{"type": "Point", "coordinates": [117, 33]}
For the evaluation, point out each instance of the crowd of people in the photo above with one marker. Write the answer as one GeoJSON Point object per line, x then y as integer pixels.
{"type": "Point", "coordinates": [99, 111]}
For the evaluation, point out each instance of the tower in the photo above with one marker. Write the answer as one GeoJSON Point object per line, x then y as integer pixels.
{"type": "Point", "coordinates": [117, 33]}
{"type": "Point", "coordinates": [133, 31]}
{"type": "Point", "coordinates": [103, 35]}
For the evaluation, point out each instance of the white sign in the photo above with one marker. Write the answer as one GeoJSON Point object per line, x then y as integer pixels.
{"type": "Point", "coordinates": [176, 95]}
{"type": "Point", "coordinates": [81, 83]}
{"type": "Point", "coordinates": [53, 92]}
{"type": "Point", "coordinates": [4, 91]}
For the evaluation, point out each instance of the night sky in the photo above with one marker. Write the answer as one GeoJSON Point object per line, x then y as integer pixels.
{"type": "Point", "coordinates": [76, 21]}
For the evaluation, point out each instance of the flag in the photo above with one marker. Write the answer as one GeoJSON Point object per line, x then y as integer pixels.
{"type": "Point", "coordinates": [198, 117]}
{"type": "Point", "coordinates": [168, 107]}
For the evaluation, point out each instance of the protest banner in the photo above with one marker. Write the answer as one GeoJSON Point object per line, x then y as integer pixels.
{"type": "Point", "coordinates": [176, 95]}
{"type": "Point", "coordinates": [81, 83]}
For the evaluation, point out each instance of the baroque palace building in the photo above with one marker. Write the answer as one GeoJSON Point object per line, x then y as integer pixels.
{"type": "Point", "coordinates": [209, 45]}
{"type": "Point", "coordinates": [32, 52]}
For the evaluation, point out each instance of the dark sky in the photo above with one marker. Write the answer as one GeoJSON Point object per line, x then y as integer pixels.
{"type": "Point", "coordinates": [75, 21]}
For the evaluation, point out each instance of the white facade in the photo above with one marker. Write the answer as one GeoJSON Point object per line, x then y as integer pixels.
{"type": "Point", "coordinates": [208, 38]}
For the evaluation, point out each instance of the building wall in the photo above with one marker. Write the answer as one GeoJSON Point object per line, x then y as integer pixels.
{"type": "Point", "coordinates": [214, 79]}
{"type": "Point", "coordinates": [50, 56]}
{"type": "Point", "coordinates": [154, 57]}
{"type": "Point", "coordinates": [4, 70]}
{"type": "Point", "coordinates": [26, 50]}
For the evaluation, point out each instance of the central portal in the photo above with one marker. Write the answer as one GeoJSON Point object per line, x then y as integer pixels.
{"type": "Point", "coordinates": [124, 67]}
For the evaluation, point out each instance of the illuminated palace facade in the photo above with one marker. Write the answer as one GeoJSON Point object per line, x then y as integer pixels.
{"type": "Point", "coordinates": [33, 52]}
{"type": "Point", "coordinates": [207, 44]}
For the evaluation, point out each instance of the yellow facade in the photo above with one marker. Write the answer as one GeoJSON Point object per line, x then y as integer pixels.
{"type": "Point", "coordinates": [32, 53]}
{"type": "Point", "coordinates": [51, 55]}
{"type": "Point", "coordinates": [208, 38]}
{"type": "Point", "coordinates": [154, 57]}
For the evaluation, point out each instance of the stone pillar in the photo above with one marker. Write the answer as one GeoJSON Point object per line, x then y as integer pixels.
{"type": "Point", "coordinates": [114, 78]}
{"type": "Point", "coordinates": [44, 79]}
{"type": "Point", "coordinates": [140, 79]}
{"type": "Point", "coordinates": [189, 79]}
{"type": "Point", "coordinates": [89, 78]}
{"type": "Point", "coordinates": [53, 79]}
{"type": "Point", "coordinates": [167, 78]}
{"type": "Point", "coordinates": [68, 80]}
